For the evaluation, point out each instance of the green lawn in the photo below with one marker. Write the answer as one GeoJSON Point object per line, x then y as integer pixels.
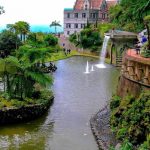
{"type": "Point", "coordinates": [61, 55]}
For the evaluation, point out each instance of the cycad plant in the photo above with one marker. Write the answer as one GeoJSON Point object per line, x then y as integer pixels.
{"type": "Point", "coordinates": [20, 75]}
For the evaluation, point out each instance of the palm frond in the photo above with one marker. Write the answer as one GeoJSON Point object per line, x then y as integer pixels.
{"type": "Point", "coordinates": [41, 78]}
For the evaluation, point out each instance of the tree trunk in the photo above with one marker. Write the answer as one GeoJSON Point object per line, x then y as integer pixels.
{"type": "Point", "coordinates": [55, 30]}
{"type": "Point", "coordinates": [21, 36]}
{"type": "Point", "coordinates": [4, 82]}
{"type": "Point", "coordinates": [24, 37]}
{"type": "Point", "coordinates": [148, 31]}
{"type": "Point", "coordinates": [21, 89]}
{"type": "Point", "coordinates": [8, 84]}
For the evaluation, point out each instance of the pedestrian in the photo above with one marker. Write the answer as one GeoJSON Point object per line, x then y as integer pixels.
{"type": "Point", "coordinates": [138, 47]}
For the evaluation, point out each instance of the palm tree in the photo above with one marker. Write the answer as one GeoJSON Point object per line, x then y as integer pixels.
{"type": "Point", "coordinates": [55, 24]}
{"type": "Point", "coordinates": [2, 10]}
{"type": "Point", "coordinates": [22, 28]}
{"type": "Point", "coordinates": [147, 25]}
{"type": "Point", "coordinates": [11, 27]}
{"type": "Point", "coordinates": [19, 77]}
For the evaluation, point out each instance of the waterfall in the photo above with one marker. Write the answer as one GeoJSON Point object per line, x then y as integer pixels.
{"type": "Point", "coordinates": [103, 53]}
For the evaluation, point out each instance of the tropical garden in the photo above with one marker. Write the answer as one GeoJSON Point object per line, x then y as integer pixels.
{"type": "Point", "coordinates": [130, 119]}
{"type": "Point", "coordinates": [126, 16]}
{"type": "Point", "coordinates": [23, 72]}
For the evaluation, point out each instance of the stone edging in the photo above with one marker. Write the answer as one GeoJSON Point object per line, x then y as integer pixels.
{"type": "Point", "coordinates": [23, 114]}
{"type": "Point", "coordinates": [101, 129]}
{"type": "Point", "coordinates": [140, 83]}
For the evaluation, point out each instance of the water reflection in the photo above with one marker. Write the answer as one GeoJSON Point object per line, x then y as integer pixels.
{"type": "Point", "coordinates": [66, 126]}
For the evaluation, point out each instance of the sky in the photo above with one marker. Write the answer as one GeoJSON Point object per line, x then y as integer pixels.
{"type": "Point", "coordinates": [34, 11]}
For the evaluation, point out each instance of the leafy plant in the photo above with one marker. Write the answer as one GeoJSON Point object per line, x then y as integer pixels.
{"type": "Point", "coordinates": [130, 118]}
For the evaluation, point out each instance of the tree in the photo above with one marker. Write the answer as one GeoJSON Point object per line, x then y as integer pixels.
{"type": "Point", "coordinates": [147, 25]}
{"type": "Point", "coordinates": [8, 42]}
{"type": "Point", "coordinates": [20, 76]}
{"type": "Point", "coordinates": [51, 40]}
{"type": "Point", "coordinates": [55, 24]}
{"type": "Point", "coordinates": [130, 13]}
{"type": "Point", "coordinates": [90, 38]}
{"type": "Point", "coordinates": [22, 28]}
{"type": "Point", "coordinates": [2, 10]}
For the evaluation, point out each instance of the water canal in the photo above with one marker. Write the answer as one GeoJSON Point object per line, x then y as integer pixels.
{"type": "Point", "coordinates": [66, 126]}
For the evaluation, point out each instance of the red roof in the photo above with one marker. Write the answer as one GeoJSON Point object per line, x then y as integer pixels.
{"type": "Point", "coordinates": [95, 4]}
{"type": "Point", "coordinates": [111, 3]}
{"type": "Point", "coordinates": [79, 4]}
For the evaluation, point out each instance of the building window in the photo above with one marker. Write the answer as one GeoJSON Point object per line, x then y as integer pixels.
{"type": "Point", "coordinates": [94, 15]}
{"type": "Point", "coordinates": [86, 7]}
{"type": "Point", "coordinates": [103, 16]}
{"type": "Point", "coordinates": [76, 25]}
{"type": "Point", "coordinates": [76, 15]}
{"type": "Point", "coordinates": [91, 15]}
{"type": "Point", "coordinates": [68, 32]}
{"type": "Point", "coordinates": [82, 25]}
{"type": "Point", "coordinates": [68, 25]}
{"type": "Point", "coordinates": [68, 15]}
{"type": "Point", "coordinates": [83, 15]}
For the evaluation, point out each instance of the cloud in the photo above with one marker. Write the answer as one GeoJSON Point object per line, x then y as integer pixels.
{"type": "Point", "coordinates": [34, 11]}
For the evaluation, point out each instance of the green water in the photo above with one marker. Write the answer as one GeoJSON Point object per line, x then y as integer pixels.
{"type": "Point", "coordinates": [65, 126]}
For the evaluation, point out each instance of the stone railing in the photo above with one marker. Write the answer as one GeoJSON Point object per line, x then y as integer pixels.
{"type": "Point", "coordinates": [135, 74]}
{"type": "Point", "coordinates": [136, 69]}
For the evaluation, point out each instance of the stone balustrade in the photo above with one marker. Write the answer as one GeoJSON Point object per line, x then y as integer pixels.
{"type": "Point", "coordinates": [136, 70]}
{"type": "Point", "coordinates": [135, 74]}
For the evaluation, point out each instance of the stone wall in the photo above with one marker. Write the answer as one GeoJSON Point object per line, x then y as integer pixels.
{"type": "Point", "coordinates": [23, 114]}
{"type": "Point", "coordinates": [135, 76]}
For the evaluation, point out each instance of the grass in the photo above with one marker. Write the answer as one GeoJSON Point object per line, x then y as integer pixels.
{"type": "Point", "coordinates": [61, 55]}
{"type": "Point", "coordinates": [44, 98]}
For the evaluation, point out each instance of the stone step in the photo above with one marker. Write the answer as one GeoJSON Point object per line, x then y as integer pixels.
{"type": "Point", "coordinates": [118, 60]}
{"type": "Point", "coordinates": [119, 57]}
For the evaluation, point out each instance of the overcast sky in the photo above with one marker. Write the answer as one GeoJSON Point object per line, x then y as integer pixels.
{"type": "Point", "coordinates": [34, 11]}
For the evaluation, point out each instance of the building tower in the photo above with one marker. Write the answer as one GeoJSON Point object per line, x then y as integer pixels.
{"type": "Point", "coordinates": [86, 5]}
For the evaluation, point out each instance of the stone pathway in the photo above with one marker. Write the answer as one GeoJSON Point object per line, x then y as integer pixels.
{"type": "Point", "coordinates": [68, 44]}
{"type": "Point", "coordinates": [132, 52]}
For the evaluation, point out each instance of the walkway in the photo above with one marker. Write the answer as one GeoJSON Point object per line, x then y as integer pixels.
{"type": "Point", "coordinates": [137, 57]}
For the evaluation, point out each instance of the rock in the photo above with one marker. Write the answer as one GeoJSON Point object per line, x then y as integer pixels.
{"type": "Point", "coordinates": [101, 129]}
{"type": "Point", "coordinates": [117, 147]}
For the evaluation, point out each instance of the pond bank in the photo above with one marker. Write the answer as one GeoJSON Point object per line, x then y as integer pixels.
{"type": "Point", "coordinates": [61, 56]}
{"type": "Point", "coordinates": [24, 113]}
{"type": "Point", "coordinates": [100, 127]}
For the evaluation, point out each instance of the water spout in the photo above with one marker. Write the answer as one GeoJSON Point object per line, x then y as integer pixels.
{"type": "Point", "coordinates": [92, 68]}
{"type": "Point", "coordinates": [87, 68]}
{"type": "Point", "coordinates": [103, 53]}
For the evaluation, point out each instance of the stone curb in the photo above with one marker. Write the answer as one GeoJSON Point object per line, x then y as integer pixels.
{"type": "Point", "coordinates": [100, 134]}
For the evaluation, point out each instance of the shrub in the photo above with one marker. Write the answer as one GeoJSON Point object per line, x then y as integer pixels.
{"type": "Point", "coordinates": [17, 103]}
{"type": "Point", "coordinates": [51, 40]}
{"type": "Point", "coordinates": [130, 117]}
{"type": "Point", "coordinates": [115, 101]}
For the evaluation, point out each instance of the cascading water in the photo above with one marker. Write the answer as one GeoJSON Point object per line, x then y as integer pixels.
{"type": "Point", "coordinates": [103, 53]}
{"type": "Point", "coordinates": [87, 68]}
